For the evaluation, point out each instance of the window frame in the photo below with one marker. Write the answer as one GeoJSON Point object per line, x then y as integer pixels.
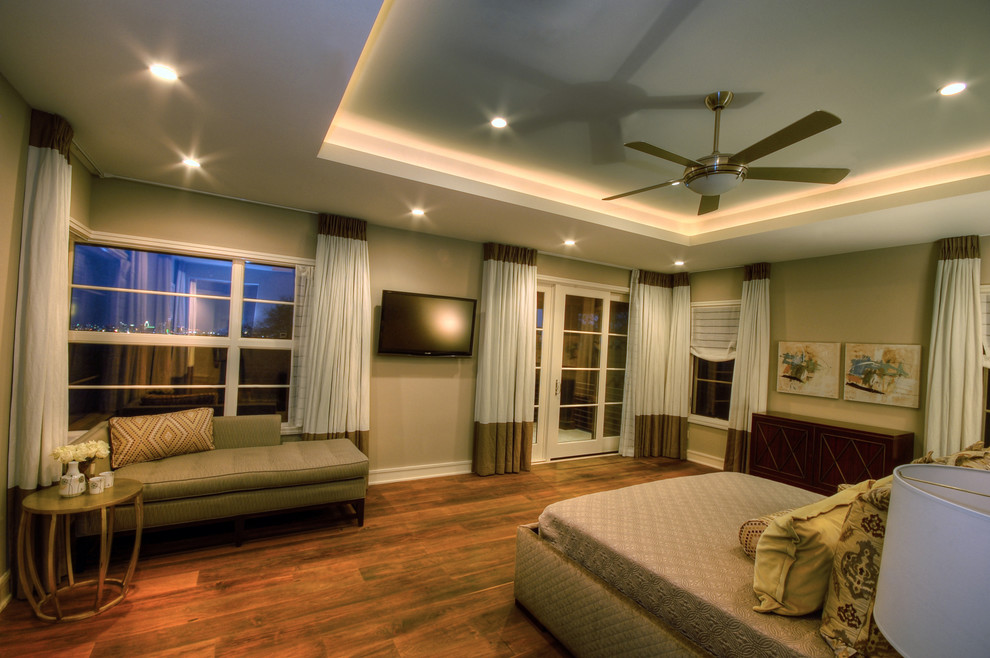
{"type": "Point", "coordinates": [234, 342]}
{"type": "Point", "coordinates": [699, 419]}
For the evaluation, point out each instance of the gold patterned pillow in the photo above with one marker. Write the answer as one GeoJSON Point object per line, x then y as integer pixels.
{"type": "Point", "coordinates": [750, 531]}
{"type": "Point", "coordinates": [847, 616]}
{"type": "Point", "coordinates": [146, 438]}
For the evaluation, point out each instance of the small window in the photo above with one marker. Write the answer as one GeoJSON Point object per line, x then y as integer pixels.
{"type": "Point", "coordinates": [714, 327]}
{"type": "Point", "coordinates": [712, 388]}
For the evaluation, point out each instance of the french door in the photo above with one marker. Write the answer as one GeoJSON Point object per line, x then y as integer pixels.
{"type": "Point", "coordinates": [581, 360]}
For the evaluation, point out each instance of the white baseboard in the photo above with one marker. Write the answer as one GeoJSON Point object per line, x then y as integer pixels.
{"type": "Point", "coordinates": [705, 459]}
{"type": "Point", "coordinates": [5, 590]}
{"type": "Point", "coordinates": [403, 473]}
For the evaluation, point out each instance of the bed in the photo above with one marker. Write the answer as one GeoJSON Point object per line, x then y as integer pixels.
{"type": "Point", "coordinates": [657, 570]}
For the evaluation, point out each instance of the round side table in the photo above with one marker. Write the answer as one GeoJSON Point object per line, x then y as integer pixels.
{"type": "Point", "coordinates": [47, 598]}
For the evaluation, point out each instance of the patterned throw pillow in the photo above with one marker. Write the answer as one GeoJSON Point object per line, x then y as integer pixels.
{"type": "Point", "coordinates": [974, 456]}
{"type": "Point", "coordinates": [847, 616]}
{"type": "Point", "coordinates": [146, 438]}
{"type": "Point", "coordinates": [750, 531]}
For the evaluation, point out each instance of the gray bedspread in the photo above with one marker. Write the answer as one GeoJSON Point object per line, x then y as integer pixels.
{"type": "Point", "coordinates": [672, 546]}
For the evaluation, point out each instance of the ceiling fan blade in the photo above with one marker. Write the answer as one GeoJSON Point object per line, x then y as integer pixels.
{"type": "Point", "coordinates": [606, 141]}
{"type": "Point", "coordinates": [708, 204]}
{"type": "Point", "coordinates": [658, 152]}
{"type": "Point", "coordinates": [642, 189]}
{"type": "Point", "coordinates": [810, 125]}
{"type": "Point", "coordinates": [825, 175]}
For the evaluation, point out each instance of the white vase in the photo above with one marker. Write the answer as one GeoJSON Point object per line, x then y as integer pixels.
{"type": "Point", "coordinates": [73, 482]}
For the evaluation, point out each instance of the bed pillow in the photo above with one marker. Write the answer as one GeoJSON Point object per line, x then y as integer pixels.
{"type": "Point", "coordinates": [847, 616]}
{"type": "Point", "coordinates": [795, 553]}
{"type": "Point", "coordinates": [750, 531]}
{"type": "Point", "coordinates": [146, 438]}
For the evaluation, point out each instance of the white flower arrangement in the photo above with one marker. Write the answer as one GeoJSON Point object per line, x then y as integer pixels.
{"type": "Point", "coordinates": [80, 452]}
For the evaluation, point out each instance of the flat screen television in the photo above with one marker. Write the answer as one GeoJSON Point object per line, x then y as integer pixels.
{"type": "Point", "coordinates": [426, 325]}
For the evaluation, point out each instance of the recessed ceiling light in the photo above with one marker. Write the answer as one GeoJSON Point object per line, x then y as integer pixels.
{"type": "Point", "coordinates": [952, 88]}
{"type": "Point", "coordinates": [678, 263]}
{"type": "Point", "coordinates": [418, 212]}
{"type": "Point", "coordinates": [569, 243]}
{"type": "Point", "coordinates": [191, 163]}
{"type": "Point", "coordinates": [499, 122]}
{"type": "Point", "coordinates": [164, 72]}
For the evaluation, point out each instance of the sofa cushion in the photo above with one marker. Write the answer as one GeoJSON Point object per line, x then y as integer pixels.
{"type": "Point", "coordinates": [246, 431]}
{"type": "Point", "coordinates": [245, 469]}
{"type": "Point", "coordinates": [144, 438]}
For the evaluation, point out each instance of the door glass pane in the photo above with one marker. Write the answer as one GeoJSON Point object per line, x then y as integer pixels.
{"type": "Point", "coordinates": [539, 310]}
{"type": "Point", "coordinates": [581, 350]}
{"type": "Point", "coordinates": [616, 351]}
{"type": "Point", "coordinates": [613, 419]}
{"type": "Point", "coordinates": [582, 313]}
{"type": "Point", "coordinates": [576, 424]}
{"type": "Point", "coordinates": [578, 387]}
{"type": "Point", "coordinates": [614, 380]}
{"type": "Point", "coordinates": [618, 318]}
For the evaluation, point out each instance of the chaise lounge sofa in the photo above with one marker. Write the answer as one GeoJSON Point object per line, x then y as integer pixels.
{"type": "Point", "coordinates": [249, 470]}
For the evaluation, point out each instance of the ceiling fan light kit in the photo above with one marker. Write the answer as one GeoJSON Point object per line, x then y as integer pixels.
{"type": "Point", "coordinates": [718, 173]}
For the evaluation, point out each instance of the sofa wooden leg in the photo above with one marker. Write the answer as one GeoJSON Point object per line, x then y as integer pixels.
{"type": "Point", "coordinates": [359, 510]}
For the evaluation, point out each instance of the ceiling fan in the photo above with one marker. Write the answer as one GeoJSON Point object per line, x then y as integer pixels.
{"type": "Point", "coordinates": [715, 174]}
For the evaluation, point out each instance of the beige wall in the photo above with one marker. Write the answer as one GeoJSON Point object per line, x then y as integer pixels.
{"type": "Point", "coordinates": [15, 121]}
{"type": "Point", "coordinates": [422, 408]}
{"type": "Point", "coordinates": [880, 296]}
{"type": "Point", "coordinates": [124, 207]}
{"type": "Point", "coordinates": [578, 270]}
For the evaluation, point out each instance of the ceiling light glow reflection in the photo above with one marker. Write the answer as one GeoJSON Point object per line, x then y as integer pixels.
{"type": "Point", "coordinates": [952, 88]}
{"type": "Point", "coordinates": [164, 72]}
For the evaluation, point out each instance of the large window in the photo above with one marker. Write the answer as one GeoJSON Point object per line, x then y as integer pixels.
{"type": "Point", "coordinates": [151, 332]}
{"type": "Point", "coordinates": [714, 327]}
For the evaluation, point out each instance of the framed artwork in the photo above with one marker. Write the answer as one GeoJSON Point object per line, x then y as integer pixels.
{"type": "Point", "coordinates": [882, 374]}
{"type": "Point", "coordinates": [808, 368]}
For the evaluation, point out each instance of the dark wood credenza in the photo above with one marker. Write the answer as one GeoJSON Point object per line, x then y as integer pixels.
{"type": "Point", "coordinates": [818, 454]}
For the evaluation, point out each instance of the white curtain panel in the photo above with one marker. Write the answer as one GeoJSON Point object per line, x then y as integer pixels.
{"type": "Point", "coordinates": [506, 380]}
{"type": "Point", "coordinates": [955, 378]}
{"type": "Point", "coordinates": [302, 317]}
{"type": "Point", "coordinates": [658, 365]}
{"type": "Point", "coordinates": [39, 410]}
{"type": "Point", "coordinates": [677, 401]}
{"type": "Point", "coordinates": [751, 372]}
{"type": "Point", "coordinates": [338, 338]}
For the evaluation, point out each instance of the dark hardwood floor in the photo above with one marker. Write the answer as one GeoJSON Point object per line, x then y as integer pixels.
{"type": "Point", "coordinates": [430, 574]}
